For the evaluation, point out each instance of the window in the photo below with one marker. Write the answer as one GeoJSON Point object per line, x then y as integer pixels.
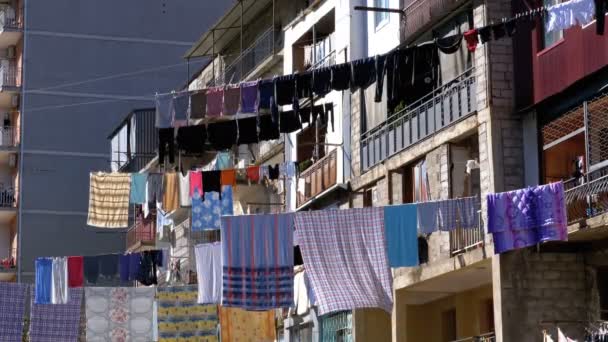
{"type": "Point", "coordinates": [550, 38]}
{"type": "Point", "coordinates": [448, 325]}
{"type": "Point", "coordinates": [381, 17]}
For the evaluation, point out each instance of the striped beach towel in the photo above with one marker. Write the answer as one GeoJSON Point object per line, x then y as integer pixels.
{"type": "Point", "coordinates": [257, 254]}
{"type": "Point", "coordinates": [109, 200]}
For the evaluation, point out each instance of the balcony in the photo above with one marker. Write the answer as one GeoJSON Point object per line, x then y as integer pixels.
{"type": "Point", "coordinates": [437, 110]}
{"type": "Point", "coordinates": [8, 137]}
{"type": "Point", "coordinates": [11, 27]}
{"type": "Point", "coordinates": [327, 60]}
{"type": "Point", "coordinates": [462, 240]}
{"type": "Point", "coordinates": [318, 178]}
{"type": "Point", "coordinates": [142, 233]}
{"type": "Point", "coordinates": [251, 58]}
{"type": "Point", "coordinates": [134, 141]}
{"type": "Point", "coordinates": [10, 75]}
{"type": "Point", "coordinates": [420, 15]}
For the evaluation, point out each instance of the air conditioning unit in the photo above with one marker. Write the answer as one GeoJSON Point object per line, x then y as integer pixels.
{"type": "Point", "coordinates": [12, 160]}
{"type": "Point", "coordinates": [11, 52]}
{"type": "Point", "coordinates": [15, 100]}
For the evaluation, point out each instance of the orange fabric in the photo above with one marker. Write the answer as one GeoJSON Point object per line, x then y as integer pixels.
{"type": "Point", "coordinates": [228, 177]}
{"type": "Point", "coordinates": [240, 325]}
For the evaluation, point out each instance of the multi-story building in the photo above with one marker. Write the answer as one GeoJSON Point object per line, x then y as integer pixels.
{"type": "Point", "coordinates": [84, 65]}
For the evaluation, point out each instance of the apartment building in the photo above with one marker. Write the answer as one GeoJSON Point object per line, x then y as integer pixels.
{"type": "Point", "coordinates": [85, 64]}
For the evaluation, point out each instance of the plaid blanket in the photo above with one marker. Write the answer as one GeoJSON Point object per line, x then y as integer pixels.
{"type": "Point", "coordinates": [109, 200]}
{"type": "Point", "coordinates": [345, 256]}
{"type": "Point", "coordinates": [57, 322]}
{"type": "Point", "coordinates": [257, 255]}
{"type": "Point", "coordinates": [181, 317]}
{"type": "Point", "coordinates": [12, 308]}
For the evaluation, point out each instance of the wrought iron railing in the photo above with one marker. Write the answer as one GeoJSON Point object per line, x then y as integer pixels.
{"type": "Point", "coordinates": [7, 198]}
{"type": "Point", "coordinates": [435, 111]}
{"type": "Point", "coordinates": [10, 76]}
{"type": "Point", "coordinates": [7, 136]}
{"type": "Point", "coordinates": [463, 239]}
{"type": "Point", "coordinates": [318, 177]}
{"type": "Point", "coordinates": [588, 199]}
{"type": "Point", "coordinates": [337, 327]}
{"type": "Point", "coordinates": [9, 19]}
{"type": "Point", "coordinates": [143, 230]}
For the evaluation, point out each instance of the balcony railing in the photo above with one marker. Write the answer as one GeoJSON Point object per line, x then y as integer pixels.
{"type": "Point", "coordinates": [10, 76]}
{"type": "Point", "coordinates": [462, 239]}
{"type": "Point", "coordinates": [252, 57]}
{"type": "Point", "coordinates": [435, 111]}
{"type": "Point", "coordinates": [587, 199]}
{"type": "Point", "coordinates": [143, 231]}
{"type": "Point", "coordinates": [328, 60]}
{"type": "Point", "coordinates": [7, 198]}
{"type": "Point", "coordinates": [9, 20]}
{"type": "Point", "coordinates": [319, 177]}
{"type": "Point", "coordinates": [489, 337]}
{"type": "Point", "coordinates": [7, 136]}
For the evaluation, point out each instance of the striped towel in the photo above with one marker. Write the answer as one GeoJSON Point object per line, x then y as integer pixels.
{"type": "Point", "coordinates": [257, 254]}
{"type": "Point", "coordinates": [109, 200]}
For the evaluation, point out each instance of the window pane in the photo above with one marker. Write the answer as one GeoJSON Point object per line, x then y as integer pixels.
{"type": "Point", "coordinates": [550, 38]}
{"type": "Point", "coordinates": [380, 17]}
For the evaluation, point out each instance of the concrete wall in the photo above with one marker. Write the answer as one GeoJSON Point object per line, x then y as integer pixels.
{"type": "Point", "coordinates": [372, 325]}
{"type": "Point", "coordinates": [72, 42]}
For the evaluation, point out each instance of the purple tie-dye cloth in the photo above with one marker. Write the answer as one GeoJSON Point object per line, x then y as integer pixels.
{"type": "Point", "coordinates": [525, 217]}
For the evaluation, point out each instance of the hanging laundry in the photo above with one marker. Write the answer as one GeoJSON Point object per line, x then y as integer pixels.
{"type": "Point", "coordinates": [170, 192]}
{"type": "Point", "coordinates": [600, 16]}
{"type": "Point", "coordinates": [215, 101]}
{"type": "Point", "coordinates": [345, 256]}
{"type": "Point", "coordinates": [265, 93]}
{"type": "Point", "coordinates": [363, 73]}
{"type": "Point", "coordinates": [223, 161]}
{"type": "Point", "coordinates": [198, 104]}
{"type": "Point", "coordinates": [206, 214]}
{"type": "Point", "coordinates": [181, 109]}
{"type": "Point", "coordinates": [511, 27]}
{"type": "Point", "coordinates": [499, 31]}
{"type": "Point", "coordinates": [154, 189]}
{"type": "Point", "coordinates": [380, 65]}
{"type": "Point", "coordinates": [321, 81]}
{"type": "Point", "coordinates": [228, 177]}
{"type": "Point", "coordinates": [302, 292]}
{"type": "Point", "coordinates": [400, 224]}
{"type": "Point", "coordinates": [109, 200]}
{"type": "Point", "coordinates": [212, 181]}
{"type": "Point", "coordinates": [567, 14]}
{"type": "Point", "coordinates": [134, 266]}
{"type": "Point", "coordinates": [166, 145]}
{"type": "Point", "coordinates": [147, 268]}
{"type": "Point", "coordinates": [253, 173]}
{"type": "Point", "coordinates": [50, 322]}
{"type": "Point", "coordinates": [164, 104]}
{"type": "Point", "coordinates": [263, 245]}
{"type": "Point", "coordinates": [12, 306]}
{"type": "Point", "coordinates": [184, 190]}
{"type": "Point", "coordinates": [119, 313]}
{"type": "Point", "coordinates": [289, 122]}
{"type": "Point", "coordinates": [232, 99]}
{"type": "Point", "coordinates": [164, 225]}
{"type": "Point", "coordinates": [450, 44]}
{"type": "Point", "coordinates": [123, 266]}
{"type": "Point", "coordinates": [290, 169]}
{"type": "Point", "coordinates": [75, 271]}
{"type": "Point", "coordinates": [209, 272]}
{"type": "Point", "coordinates": [248, 131]}
{"type": "Point", "coordinates": [284, 89]}
{"type": "Point", "coordinates": [222, 135]}
{"type": "Point", "coordinates": [108, 269]}
{"type": "Point", "coordinates": [59, 283]}
{"type": "Point", "coordinates": [526, 217]}
{"type": "Point", "coordinates": [91, 270]}
{"type": "Point", "coordinates": [241, 176]}
{"type": "Point", "coordinates": [428, 217]}
{"type": "Point", "coordinates": [472, 40]}
{"type": "Point", "coordinates": [305, 114]}
{"type": "Point", "coordinates": [249, 97]}
{"type": "Point", "coordinates": [264, 172]}
{"type": "Point", "coordinates": [485, 34]}
{"type": "Point", "coordinates": [304, 85]}
{"type": "Point", "coordinates": [273, 172]}
{"type": "Point", "coordinates": [329, 112]}
{"type": "Point", "coordinates": [196, 182]}
{"type": "Point", "coordinates": [44, 279]}
{"type": "Point", "coordinates": [138, 188]}
{"type": "Point", "coordinates": [241, 325]}
{"type": "Point", "coordinates": [447, 215]}
{"type": "Point", "coordinates": [191, 139]}
{"type": "Point", "coordinates": [268, 129]}
{"type": "Point", "coordinates": [181, 318]}
{"type": "Point", "coordinates": [340, 76]}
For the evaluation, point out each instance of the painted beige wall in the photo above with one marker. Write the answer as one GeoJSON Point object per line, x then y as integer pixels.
{"type": "Point", "coordinates": [372, 325]}
{"type": "Point", "coordinates": [423, 322]}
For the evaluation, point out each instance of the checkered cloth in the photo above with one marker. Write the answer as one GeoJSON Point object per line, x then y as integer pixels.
{"type": "Point", "coordinates": [345, 256]}
{"type": "Point", "coordinates": [57, 322]}
{"type": "Point", "coordinates": [12, 308]}
{"type": "Point", "coordinates": [257, 255]}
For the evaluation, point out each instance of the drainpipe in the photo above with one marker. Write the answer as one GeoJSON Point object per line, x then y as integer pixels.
{"type": "Point", "coordinates": [21, 143]}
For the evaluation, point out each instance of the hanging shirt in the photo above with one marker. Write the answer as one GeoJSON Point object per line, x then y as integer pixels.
{"type": "Point", "coordinates": [164, 117]}
{"type": "Point", "coordinates": [209, 272]}
{"type": "Point", "coordinates": [212, 181]}
{"type": "Point", "coordinates": [321, 81]}
{"type": "Point", "coordinates": [363, 73]}
{"type": "Point", "coordinates": [196, 182]}
{"type": "Point", "coordinates": [340, 76]}
{"type": "Point", "coordinates": [228, 177]}
{"type": "Point", "coordinates": [191, 139]}
{"type": "Point", "coordinates": [400, 224]}
{"type": "Point", "coordinates": [198, 104]}
{"type": "Point", "coordinates": [206, 214]}
{"type": "Point", "coordinates": [232, 99]}
{"type": "Point", "coordinates": [223, 161]}
{"type": "Point", "coordinates": [248, 131]}
{"type": "Point", "coordinates": [181, 109]}
{"type": "Point", "coordinates": [289, 122]}
{"type": "Point", "coordinates": [44, 271]}
{"type": "Point", "coordinates": [91, 269]}
{"type": "Point", "coordinates": [75, 271]}
{"type": "Point", "coordinates": [268, 129]}
{"type": "Point", "coordinates": [222, 135]}
{"type": "Point", "coordinates": [265, 93]}
{"type": "Point", "coordinates": [472, 39]}
{"type": "Point", "coordinates": [134, 265]}
{"type": "Point", "coordinates": [138, 188]}
{"type": "Point", "coordinates": [215, 101]}
{"type": "Point", "coordinates": [184, 190]}
{"type": "Point", "coordinates": [59, 284]}
{"type": "Point", "coordinates": [253, 173]}
{"type": "Point", "coordinates": [170, 195]}
{"type": "Point", "coordinates": [249, 97]}
{"type": "Point", "coordinates": [284, 89]}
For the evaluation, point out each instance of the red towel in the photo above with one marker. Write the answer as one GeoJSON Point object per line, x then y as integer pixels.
{"type": "Point", "coordinates": [253, 173]}
{"type": "Point", "coordinates": [75, 271]}
{"type": "Point", "coordinates": [472, 40]}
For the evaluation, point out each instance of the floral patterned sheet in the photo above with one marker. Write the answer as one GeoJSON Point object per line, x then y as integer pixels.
{"type": "Point", "coordinates": [119, 314]}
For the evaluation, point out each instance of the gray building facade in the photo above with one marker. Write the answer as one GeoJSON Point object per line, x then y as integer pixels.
{"type": "Point", "coordinates": [86, 64]}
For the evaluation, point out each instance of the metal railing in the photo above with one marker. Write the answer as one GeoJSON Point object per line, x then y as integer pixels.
{"type": "Point", "coordinates": [7, 198]}
{"type": "Point", "coordinates": [7, 136]}
{"type": "Point", "coordinates": [262, 48]}
{"type": "Point", "coordinates": [463, 239]}
{"type": "Point", "coordinates": [9, 20]}
{"type": "Point", "coordinates": [318, 177]}
{"type": "Point", "coordinates": [10, 76]}
{"type": "Point", "coordinates": [435, 111]}
{"type": "Point", "coordinates": [328, 60]}
{"type": "Point", "coordinates": [588, 199]}
{"type": "Point", "coordinates": [337, 327]}
{"type": "Point", "coordinates": [489, 337]}
{"type": "Point", "coordinates": [143, 230]}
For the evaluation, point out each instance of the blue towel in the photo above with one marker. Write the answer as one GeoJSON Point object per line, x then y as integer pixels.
{"type": "Point", "coordinates": [400, 224]}
{"type": "Point", "coordinates": [44, 270]}
{"type": "Point", "coordinates": [138, 188]}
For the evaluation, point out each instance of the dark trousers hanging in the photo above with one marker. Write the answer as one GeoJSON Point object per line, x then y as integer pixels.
{"type": "Point", "coordinates": [166, 143]}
